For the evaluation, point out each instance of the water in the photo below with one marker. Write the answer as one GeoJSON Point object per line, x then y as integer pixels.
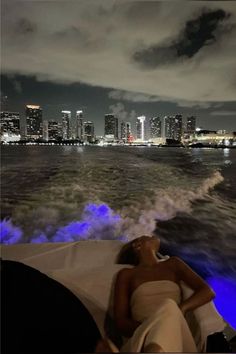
{"type": "Point", "coordinates": [66, 193]}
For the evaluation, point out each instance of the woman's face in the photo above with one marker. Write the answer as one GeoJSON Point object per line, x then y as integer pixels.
{"type": "Point", "coordinates": [146, 242]}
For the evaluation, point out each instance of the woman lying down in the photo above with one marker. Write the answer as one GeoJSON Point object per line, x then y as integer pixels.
{"type": "Point", "coordinates": [148, 308]}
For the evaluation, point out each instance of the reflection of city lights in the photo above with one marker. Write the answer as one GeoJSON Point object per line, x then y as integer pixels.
{"type": "Point", "coordinates": [227, 142]}
{"type": "Point", "coordinates": [226, 152]}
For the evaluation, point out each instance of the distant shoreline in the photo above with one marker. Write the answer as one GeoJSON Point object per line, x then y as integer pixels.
{"type": "Point", "coordinates": [197, 146]}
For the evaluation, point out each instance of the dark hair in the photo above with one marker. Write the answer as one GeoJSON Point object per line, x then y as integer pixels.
{"type": "Point", "coordinates": [127, 255]}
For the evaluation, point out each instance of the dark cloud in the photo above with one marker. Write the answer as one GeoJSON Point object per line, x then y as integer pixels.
{"type": "Point", "coordinates": [200, 32]}
{"type": "Point", "coordinates": [92, 42]}
{"type": "Point", "coordinates": [196, 34]}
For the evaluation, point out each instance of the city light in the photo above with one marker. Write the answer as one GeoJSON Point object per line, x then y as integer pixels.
{"type": "Point", "coordinates": [32, 106]}
{"type": "Point", "coordinates": [142, 120]}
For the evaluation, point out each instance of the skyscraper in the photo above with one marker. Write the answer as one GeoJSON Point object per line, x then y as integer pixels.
{"type": "Point", "coordinates": [178, 127]}
{"type": "Point", "coordinates": [140, 125]}
{"type": "Point", "coordinates": [155, 127]}
{"type": "Point", "coordinates": [34, 122]}
{"type": "Point", "coordinates": [191, 125]}
{"type": "Point", "coordinates": [88, 128]}
{"type": "Point", "coordinates": [66, 125]}
{"type": "Point", "coordinates": [125, 131]}
{"type": "Point", "coordinates": [169, 127]}
{"type": "Point", "coordinates": [123, 134]}
{"type": "Point", "coordinates": [111, 126]}
{"type": "Point", "coordinates": [79, 125]}
{"type": "Point", "coordinates": [173, 127]}
{"type": "Point", "coordinates": [128, 130]}
{"type": "Point", "coordinates": [10, 123]}
{"type": "Point", "coordinates": [45, 130]}
{"type": "Point", "coordinates": [52, 130]}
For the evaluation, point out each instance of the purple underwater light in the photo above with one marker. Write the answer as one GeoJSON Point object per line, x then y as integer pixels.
{"type": "Point", "coordinates": [225, 301]}
{"type": "Point", "coordinates": [98, 221]}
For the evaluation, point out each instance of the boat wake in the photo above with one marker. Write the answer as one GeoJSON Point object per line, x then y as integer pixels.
{"type": "Point", "coordinates": [99, 221]}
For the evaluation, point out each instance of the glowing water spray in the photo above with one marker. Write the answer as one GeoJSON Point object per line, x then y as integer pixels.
{"type": "Point", "coordinates": [98, 221]}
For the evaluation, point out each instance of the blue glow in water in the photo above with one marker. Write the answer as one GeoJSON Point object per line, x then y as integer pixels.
{"type": "Point", "coordinates": [225, 300]}
{"type": "Point", "coordinates": [98, 222]}
{"type": "Point", "coordinates": [99, 211]}
{"type": "Point", "coordinates": [123, 238]}
{"type": "Point", "coordinates": [10, 234]}
{"type": "Point", "coordinates": [42, 238]}
{"type": "Point", "coordinates": [75, 231]}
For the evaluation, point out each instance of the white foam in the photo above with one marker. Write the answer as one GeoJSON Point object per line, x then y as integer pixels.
{"type": "Point", "coordinates": [167, 203]}
{"type": "Point", "coordinates": [135, 220]}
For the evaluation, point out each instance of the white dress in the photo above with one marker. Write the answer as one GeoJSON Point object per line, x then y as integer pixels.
{"type": "Point", "coordinates": [155, 305]}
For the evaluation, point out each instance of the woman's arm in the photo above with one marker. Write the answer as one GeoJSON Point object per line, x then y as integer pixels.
{"type": "Point", "coordinates": [202, 292]}
{"type": "Point", "coordinates": [125, 324]}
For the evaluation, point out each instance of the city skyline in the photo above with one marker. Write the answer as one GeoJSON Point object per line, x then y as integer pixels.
{"type": "Point", "coordinates": [72, 126]}
{"type": "Point", "coordinates": [121, 55]}
{"type": "Point", "coordinates": [161, 131]}
{"type": "Point", "coordinates": [76, 115]}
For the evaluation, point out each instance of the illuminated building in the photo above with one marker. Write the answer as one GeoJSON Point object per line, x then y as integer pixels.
{"type": "Point", "coordinates": [10, 123]}
{"type": "Point", "coordinates": [169, 127]}
{"type": "Point", "coordinates": [66, 125]}
{"type": "Point", "coordinates": [88, 128]}
{"type": "Point", "coordinates": [173, 127]}
{"type": "Point", "coordinates": [191, 125]}
{"type": "Point", "coordinates": [52, 130]}
{"type": "Point", "coordinates": [111, 126]}
{"type": "Point", "coordinates": [128, 130]}
{"type": "Point", "coordinates": [211, 137]}
{"type": "Point", "coordinates": [123, 134]}
{"type": "Point", "coordinates": [79, 125]}
{"type": "Point", "coordinates": [125, 131]}
{"type": "Point", "coordinates": [140, 125]}
{"type": "Point", "coordinates": [45, 130]}
{"type": "Point", "coordinates": [155, 127]}
{"type": "Point", "coordinates": [178, 127]}
{"type": "Point", "coordinates": [34, 122]}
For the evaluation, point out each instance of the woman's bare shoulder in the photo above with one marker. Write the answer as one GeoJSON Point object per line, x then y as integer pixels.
{"type": "Point", "coordinates": [177, 261]}
{"type": "Point", "coordinates": [126, 271]}
{"type": "Point", "coordinates": [174, 262]}
{"type": "Point", "coordinates": [125, 274]}
{"type": "Point", "coordinates": [174, 259]}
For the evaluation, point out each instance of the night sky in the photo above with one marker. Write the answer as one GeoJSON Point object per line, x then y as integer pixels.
{"type": "Point", "coordinates": [126, 57]}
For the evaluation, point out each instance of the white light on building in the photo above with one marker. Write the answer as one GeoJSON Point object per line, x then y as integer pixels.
{"type": "Point", "coordinates": [142, 120]}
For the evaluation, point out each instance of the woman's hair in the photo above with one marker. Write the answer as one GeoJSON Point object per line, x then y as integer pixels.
{"type": "Point", "coordinates": [127, 255]}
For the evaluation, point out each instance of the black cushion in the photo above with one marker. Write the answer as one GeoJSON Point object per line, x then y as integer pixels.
{"type": "Point", "coordinates": [41, 315]}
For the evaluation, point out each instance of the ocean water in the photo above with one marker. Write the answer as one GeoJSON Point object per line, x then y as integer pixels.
{"type": "Point", "coordinates": [185, 196]}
